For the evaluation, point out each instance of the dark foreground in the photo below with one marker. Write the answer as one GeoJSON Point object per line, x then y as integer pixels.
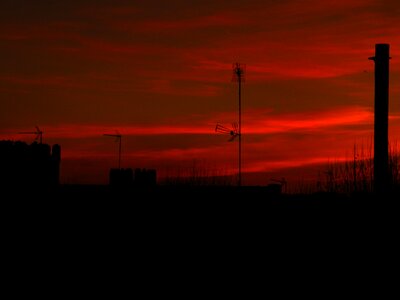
{"type": "Point", "coordinates": [195, 238]}
{"type": "Point", "coordinates": [155, 219]}
{"type": "Point", "coordinates": [196, 205]}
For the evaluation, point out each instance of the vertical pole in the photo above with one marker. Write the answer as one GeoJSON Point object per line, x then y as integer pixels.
{"type": "Point", "coordinates": [240, 127]}
{"type": "Point", "coordinates": [238, 72]}
{"type": "Point", "coordinates": [355, 168]}
{"type": "Point", "coordinates": [119, 153]}
{"type": "Point", "coordinates": [381, 140]}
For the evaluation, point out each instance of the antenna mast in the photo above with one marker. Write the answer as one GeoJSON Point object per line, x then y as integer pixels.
{"type": "Point", "coordinates": [238, 73]}
{"type": "Point", "coordinates": [119, 139]}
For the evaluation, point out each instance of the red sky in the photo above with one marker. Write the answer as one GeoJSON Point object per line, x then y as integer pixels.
{"type": "Point", "coordinates": [159, 72]}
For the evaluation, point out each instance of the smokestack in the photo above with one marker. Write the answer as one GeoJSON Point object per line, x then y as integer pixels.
{"type": "Point", "coordinates": [381, 141]}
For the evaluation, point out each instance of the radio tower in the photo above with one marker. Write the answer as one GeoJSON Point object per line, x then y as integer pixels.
{"type": "Point", "coordinates": [238, 75]}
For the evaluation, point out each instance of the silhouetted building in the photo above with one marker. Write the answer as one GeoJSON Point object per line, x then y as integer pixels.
{"type": "Point", "coordinates": [139, 178]}
{"type": "Point", "coordinates": [55, 166]}
{"type": "Point", "coordinates": [381, 141]}
{"type": "Point", "coordinates": [145, 177]}
{"type": "Point", "coordinates": [121, 177]}
{"type": "Point", "coordinates": [35, 165]}
{"type": "Point", "coordinates": [274, 188]}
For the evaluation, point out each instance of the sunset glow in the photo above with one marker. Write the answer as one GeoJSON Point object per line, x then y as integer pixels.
{"type": "Point", "coordinates": [160, 74]}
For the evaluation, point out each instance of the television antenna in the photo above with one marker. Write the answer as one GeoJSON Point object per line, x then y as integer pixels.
{"type": "Point", "coordinates": [38, 133]}
{"type": "Point", "coordinates": [238, 75]}
{"type": "Point", "coordinates": [225, 130]}
{"type": "Point", "coordinates": [118, 139]}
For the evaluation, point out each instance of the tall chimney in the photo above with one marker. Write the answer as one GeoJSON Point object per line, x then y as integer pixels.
{"type": "Point", "coordinates": [381, 141]}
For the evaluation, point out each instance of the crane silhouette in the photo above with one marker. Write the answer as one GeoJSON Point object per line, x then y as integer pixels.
{"type": "Point", "coordinates": [38, 133]}
{"type": "Point", "coordinates": [119, 138]}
